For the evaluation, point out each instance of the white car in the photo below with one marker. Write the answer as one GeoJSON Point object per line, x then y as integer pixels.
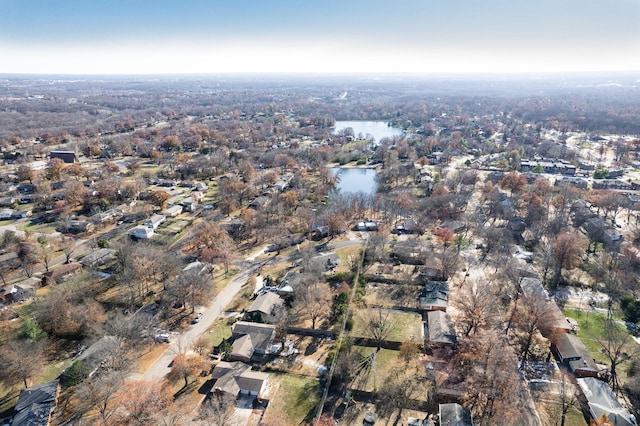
{"type": "Point", "coordinates": [519, 253]}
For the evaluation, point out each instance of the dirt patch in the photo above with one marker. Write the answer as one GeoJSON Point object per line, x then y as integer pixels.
{"type": "Point", "coordinates": [146, 358]}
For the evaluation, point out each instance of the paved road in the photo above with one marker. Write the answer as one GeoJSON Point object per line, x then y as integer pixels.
{"type": "Point", "coordinates": [160, 368]}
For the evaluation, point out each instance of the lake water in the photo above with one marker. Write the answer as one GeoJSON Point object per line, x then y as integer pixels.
{"type": "Point", "coordinates": [377, 129]}
{"type": "Point", "coordinates": [355, 180]}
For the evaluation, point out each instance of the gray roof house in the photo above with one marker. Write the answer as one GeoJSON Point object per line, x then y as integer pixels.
{"type": "Point", "coordinates": [571, 351]}
{"type": "Point", "coordinates": [265, 305]}
{"type": "Point", "coordinates": [251, 339]}
{"type": "Point", "coordinates": [454, 415]}
{"type": "Point", "coordinates": [36, 404]}
{"type": "Point", "coordinates": [435, 296]}
{"type": "Point", "coordinates": [601, 400]}
{"type": "Point", "coordinates": [237, 378]}
{"type": "Point", "coordinates": [324, 261]}
{"type": "Point", "coordinates": [441, 331]}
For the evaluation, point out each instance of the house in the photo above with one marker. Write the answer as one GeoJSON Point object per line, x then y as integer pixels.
{"type": "Point", "coordinates": [104, 217]}
{"type": "Point", "coordinates": [6, 214]}
{"type": "Point", "coordinates": [441, 331]}
{"type": "Point", "coordinates": [98, 257]}
{"type": "Point", "coordinates": [265, 306]}
{"type": "Point", "coordinates": [290, 240]}
{"type": "Point", "coordinates": [17, 293]}
{"type": "Point", "coordinates": [9, 260]}
{"type": "Point", "coordinates": [434, 296]}
{"type": "Point", "coordinates": [551, 166]}
{"type": "Point", "coordinates": [154, 221]}
{"type": "Point", "coordinates": [454, 415]}
{"type": "Point", "coordinates": [78, 226]}
{"type": "Point", "coordinates": [600, 231]}
{"type": "Point", "coordinates": [570, 351]}
{"type": "Point", "coordinates": [409, 226]}
{"type": "Point", "coordinates": [455, 226]}
{"type": "Point", "coordinates": [36, 404]}
{"type": "Point", "coordinates": [412, 252]}
{"type": "Point", "coordinates": [201, 186]}
{"type": "Point", "coordinates": [172, 211]}
{"type": "Point", "coordinates": [367, 225]}
{"type": "Point", "coordinates": [260, 202]}
{"type": "Point", "coordinates": [141, 233]}
{"type": "Point", "coordinates": [7, 201]}
{"type": "Point", "coordinates": [199, 267]}
{"type": "Point", "coordinates": [601, 400]}
{"type": "Point", "coordinates": [190, 204]}
{"type": "Point", "coordinates": [611, 184]}
{"type": "Point", "coordinates": [432, 268]}
{"type": "Point", "coordinates": [69, 157]}
{"type": "Point", "coordinates": [324, 261]}
{"type": "Point", "coordinates": [320, 232]}
{"type": "Point", "coordinates": [60, 273]}
{"type": "Point", "coordinates": [251, 339]}
{"type": "Point", "coordinates": [237, 378]}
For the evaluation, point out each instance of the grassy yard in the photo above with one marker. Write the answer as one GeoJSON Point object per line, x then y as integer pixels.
{"type": "Point", "coordinates": [43, 228]}
{"type": "Point", "coordinates": [405, 324]}
{"type": "Point", "coordinates": [218, 331]}
{"type": "Point", "coordinates": [590, 330]}
{"type": "Point", "coordinates": [294, 398]}
{"type": "Point", "coordinates": [374, 378]}
{"type": "Point", "coordinates": [550, 414]}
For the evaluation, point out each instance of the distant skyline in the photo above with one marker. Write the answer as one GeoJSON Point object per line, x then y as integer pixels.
{"type": "Point", "coordinates": [408, 36]}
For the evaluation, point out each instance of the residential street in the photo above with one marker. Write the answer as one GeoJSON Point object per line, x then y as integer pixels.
{"type": "Point", "coordinates": [161, 367]}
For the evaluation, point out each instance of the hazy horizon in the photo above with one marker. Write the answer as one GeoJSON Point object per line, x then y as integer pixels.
{"type": "Point", "coordinates": [144, 37]}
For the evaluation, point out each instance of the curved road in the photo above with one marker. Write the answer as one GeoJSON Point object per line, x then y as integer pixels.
{"type": "Point", "coordinates": [160, 368]}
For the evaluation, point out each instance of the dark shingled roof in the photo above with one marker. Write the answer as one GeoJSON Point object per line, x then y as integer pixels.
{"type": "Point", "coordinates": [35, 404]}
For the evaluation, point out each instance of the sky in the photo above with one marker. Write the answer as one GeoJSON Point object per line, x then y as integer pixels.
{"type": "Point", "coordinates": [310, 36]}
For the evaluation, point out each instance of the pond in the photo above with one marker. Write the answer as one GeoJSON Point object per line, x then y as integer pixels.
{"type": "Point", "coordinates": [353, 180]}
{"type": "Point", "coordinates": [376, 129]}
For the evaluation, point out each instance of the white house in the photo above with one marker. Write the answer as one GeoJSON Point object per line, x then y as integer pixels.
{"type": "Point", "coordinates": [141, 232]}
{"type": "Point", "coordinates": [172, 211]}
{"type": "Point", "coordinates": [154, 221]}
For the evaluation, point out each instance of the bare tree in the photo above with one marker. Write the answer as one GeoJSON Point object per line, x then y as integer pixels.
{"type": "Point", "coordinates": [618, 347]}
{"type": "Point", "coordinates": [567, 396]}
{"type": "Point", "coordinates": [378, 325]}
{"type": "Point", "coordinates": [313, 301]}
{"type": "Point", "coordinates": [21, 361]}
{"type": "Point", "coordinates": [68, 245]}
{"type": "Point", "coordinates": [566, 249]}
{"type": "Point", "coordinates": [139, 402]}
{"type": "Point", "coordinates": [98, 393]}
{"type": "Point", "coordinates": [218, 409]}
{"type": "Point", "coordinates": [185, 367]}
{"type": "Point", "coordinates": [471, 301]}
{"type": "Point", "coordinates": [533, 314]}
{"type": "Point", "coordinates": [494, 392]}
{"type": "Point", "coordinates": [27, 255]}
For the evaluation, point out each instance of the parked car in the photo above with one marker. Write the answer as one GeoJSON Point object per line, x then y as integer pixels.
{"type": "Point", "coordinates": [196, 319]}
